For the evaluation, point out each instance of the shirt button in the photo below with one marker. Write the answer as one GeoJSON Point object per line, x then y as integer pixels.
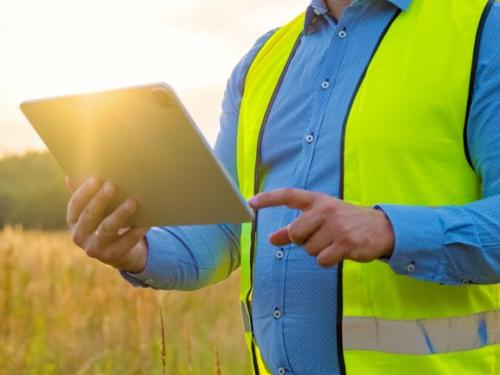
{"type": "Point", "coordinates": [411, 267]}
{"type": "Point", "coordinates": [325, 84]}
{"type": "Point", "coordinates": [277, 314]}
{"type": "Point", "coordinates": [309, 138]}
{"type": "Point", "coordinates": [280, 254]}
{"type": "Point", "coordinates": [281, 371]}
{"type": "Point", "coordinates": [149, 282]}
{"type": "Point", "coordinates": [342, 34]}
{"type": "Point", "coordinates": [466, 281]}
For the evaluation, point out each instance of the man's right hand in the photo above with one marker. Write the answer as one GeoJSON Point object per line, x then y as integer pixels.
{"type": "Point", "coordinates": [105, 237]}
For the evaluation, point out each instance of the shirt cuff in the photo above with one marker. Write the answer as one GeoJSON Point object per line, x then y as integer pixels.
{"type": "Point", "coordinates": [418, 240]}
{"type": "Point", "coordinates": [153, 275]}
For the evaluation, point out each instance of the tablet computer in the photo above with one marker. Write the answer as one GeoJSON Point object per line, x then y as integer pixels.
{"type": "Point", "coordinates": [143, 140]}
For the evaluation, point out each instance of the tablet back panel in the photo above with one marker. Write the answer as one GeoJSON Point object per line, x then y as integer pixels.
{"type": "Point", "coordinates": [143, 140]}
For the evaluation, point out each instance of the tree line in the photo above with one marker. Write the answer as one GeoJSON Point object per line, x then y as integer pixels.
{"type": "Point", "coordinates": [32, 191]}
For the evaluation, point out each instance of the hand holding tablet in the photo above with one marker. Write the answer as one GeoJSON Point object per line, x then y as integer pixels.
{"type": "Point", "coordinates": [143, 141]}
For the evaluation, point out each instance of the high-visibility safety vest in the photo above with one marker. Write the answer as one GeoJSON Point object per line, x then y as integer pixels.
{"type": "Point", "coordinates": [403, 143]}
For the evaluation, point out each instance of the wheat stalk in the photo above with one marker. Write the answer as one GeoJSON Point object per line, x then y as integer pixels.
{"type": "Point", "coordinates": [163, 347]}
{"type": "Point", "coordinates": [7, 288]}
{"type": "Point", "coordinates": [218, 370]}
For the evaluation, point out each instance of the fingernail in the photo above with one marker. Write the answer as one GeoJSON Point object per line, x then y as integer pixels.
{"type": "Point", "coordinates": [130, 205]}
{"type": "Point", "coordinates": [109, 189]}
{"type": "Point", "coordinates": [254, 200]}
{"type": "Point", "coordinates": [94, 181]}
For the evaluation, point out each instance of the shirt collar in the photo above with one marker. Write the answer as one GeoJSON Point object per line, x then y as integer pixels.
{"type": "Point", "coordinates": [318, 8]}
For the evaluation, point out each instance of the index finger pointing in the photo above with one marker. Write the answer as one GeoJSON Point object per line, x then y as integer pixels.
{"type": "Point", "coordinates": [292, 198]}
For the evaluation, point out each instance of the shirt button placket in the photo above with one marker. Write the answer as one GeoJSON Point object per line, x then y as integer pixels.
{"type": "Point", "coordinates": [342, 33]}
{"type": "Point", "coordinates": [277, 314]}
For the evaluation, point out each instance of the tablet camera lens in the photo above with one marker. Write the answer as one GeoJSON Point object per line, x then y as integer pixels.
{"type": "Point", "coordinates": [162, 98]}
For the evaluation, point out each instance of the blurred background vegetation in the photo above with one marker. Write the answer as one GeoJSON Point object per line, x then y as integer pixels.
{"type": "Point", "coordinates": [32, 191]}
{"type": "Point", "coordinates": [63, 313]}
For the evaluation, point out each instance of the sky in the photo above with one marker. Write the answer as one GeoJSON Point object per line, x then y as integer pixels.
{"type": "Point", "coordinates": [57, 47]}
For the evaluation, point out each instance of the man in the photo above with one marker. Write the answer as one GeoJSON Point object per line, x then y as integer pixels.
{"type": "Point", "coordinates": [393, 107]}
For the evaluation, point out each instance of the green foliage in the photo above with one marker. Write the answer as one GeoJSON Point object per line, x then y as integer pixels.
{"type": "Point", "coordinates": [32, 191]}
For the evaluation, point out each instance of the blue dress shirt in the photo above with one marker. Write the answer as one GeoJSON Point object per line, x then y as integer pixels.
{"type": "Point", "coordinates": [449, 245]}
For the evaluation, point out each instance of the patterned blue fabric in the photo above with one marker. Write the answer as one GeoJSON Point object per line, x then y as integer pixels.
{"type": "Point", "coordinates": [447, 245]}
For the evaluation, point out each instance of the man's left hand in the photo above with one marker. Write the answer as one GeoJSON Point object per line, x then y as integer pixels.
{"type": "Point", "coordinates": [329, 228]}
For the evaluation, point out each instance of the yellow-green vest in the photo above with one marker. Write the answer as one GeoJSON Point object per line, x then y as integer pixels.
{"type": "Point", "coordinates": [403, 143]}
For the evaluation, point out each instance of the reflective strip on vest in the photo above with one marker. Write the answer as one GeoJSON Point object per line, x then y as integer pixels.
{"type": "Point", "coordinates": [245, 317]}
{"type": "Point", "coordinates": [424, 336]}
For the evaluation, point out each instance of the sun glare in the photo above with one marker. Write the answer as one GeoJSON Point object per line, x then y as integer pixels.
{"type": "Point", "coordinates": [57, 47]}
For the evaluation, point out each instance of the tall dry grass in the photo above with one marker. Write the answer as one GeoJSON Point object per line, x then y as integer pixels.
{"type": "Point", "coordinates": [62, 313]}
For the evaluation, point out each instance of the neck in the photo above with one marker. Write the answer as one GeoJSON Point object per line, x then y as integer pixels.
{"type": "Point", "coordinates": [337, 7]}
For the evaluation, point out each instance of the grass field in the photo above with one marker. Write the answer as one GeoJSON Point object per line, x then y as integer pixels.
{"type": "Point", "coordinates": [62, 313]}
